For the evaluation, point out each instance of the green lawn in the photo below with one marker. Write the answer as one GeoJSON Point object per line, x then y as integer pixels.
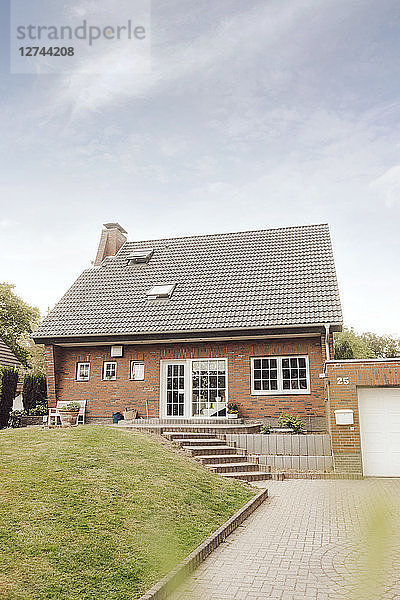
{"type": "Point", "coordinates": [97, 513]}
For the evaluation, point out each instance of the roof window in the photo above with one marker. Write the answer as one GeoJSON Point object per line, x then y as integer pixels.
{"type": "Point", "coordinates": [161, 291]}
{"type": "Point", "coordinates": [141, 255]}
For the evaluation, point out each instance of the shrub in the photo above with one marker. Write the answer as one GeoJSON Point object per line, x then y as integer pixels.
{"type": "Point", "coordinates": [9, 380]}
{"type": "Point", "coordinates": [295, 423]}
{"type": "Point", "coordinates": [266, 429]}
{"type": "Point", "coordinates": [34, 392]}
{"type": "Point", "coordinates": [40, 409]}
{"type": "Point", "coordinates": [14, 419]}
{"type": "Point", "coordinates": [233, 408]}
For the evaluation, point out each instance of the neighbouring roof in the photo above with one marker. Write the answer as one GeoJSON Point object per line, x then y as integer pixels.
{"type": "Point", "coordinates": [251, 279]}
{"type": "Point", "coordinates": [7, 357]}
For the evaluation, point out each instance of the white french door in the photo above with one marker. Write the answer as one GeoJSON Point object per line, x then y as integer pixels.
{"type": "Point", "coordinates": [175, 383]}
{"type": "Point", "coordinates": [194, 388]}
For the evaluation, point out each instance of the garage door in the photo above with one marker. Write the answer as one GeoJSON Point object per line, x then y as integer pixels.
{"type": "Point", "coordinates": [379, 413]}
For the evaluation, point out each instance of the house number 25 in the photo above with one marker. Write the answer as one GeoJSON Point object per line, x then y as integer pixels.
{"type": "Point", "coordinates": [342, 380]}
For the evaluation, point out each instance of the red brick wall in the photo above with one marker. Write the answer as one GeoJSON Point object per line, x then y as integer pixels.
{"type": "Point", "coordinates": [50, 362]}
{"type": "Point", "coordinates": [105, 397]}
{"type": "Point", "coordinates": [346, 444]}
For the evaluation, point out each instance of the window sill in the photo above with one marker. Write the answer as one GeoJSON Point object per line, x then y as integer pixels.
{"type": "Point", "coordinates": [280, 392]}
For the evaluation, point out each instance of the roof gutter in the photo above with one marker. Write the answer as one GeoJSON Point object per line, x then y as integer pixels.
{"type": "Point", "coordinates": [176, 336]}
{"type": "Point", "coordinates": [327, 350]}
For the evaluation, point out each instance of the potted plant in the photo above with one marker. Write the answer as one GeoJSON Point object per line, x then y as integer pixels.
{"type": "Point", "coordinates": [266, 429]}
{"type": "Point", "coordinates": [290, 423]}
{"type": "Point", "coordinates": [232, 411]}
{"type": "Point", "coordinates": [69, 414]}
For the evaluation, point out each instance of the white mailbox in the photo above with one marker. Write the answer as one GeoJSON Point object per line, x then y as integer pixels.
{"type": "Point", "coordinates": [344, 416]}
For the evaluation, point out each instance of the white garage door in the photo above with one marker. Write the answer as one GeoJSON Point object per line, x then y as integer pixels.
{"type": "Point", "coordinates": [379, 413]}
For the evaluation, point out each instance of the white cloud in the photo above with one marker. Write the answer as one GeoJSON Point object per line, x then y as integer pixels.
{"type": "Point", "coordinates": [388, 186]}
{"type": "Point", "coordinates": [7, 224]}
{"type": "Point", "coordinates": [231, 42]}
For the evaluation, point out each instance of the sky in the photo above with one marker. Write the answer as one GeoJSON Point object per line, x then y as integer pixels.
{"type": "Point", "coordinates": [253, 115]}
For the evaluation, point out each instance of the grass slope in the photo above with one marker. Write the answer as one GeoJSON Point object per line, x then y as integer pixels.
{"type": "Point", "coordinates": [96, 513]}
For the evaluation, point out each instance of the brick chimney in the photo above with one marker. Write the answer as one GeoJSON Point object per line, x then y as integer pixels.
{"type": "Point", "coordinates": [111, 240]}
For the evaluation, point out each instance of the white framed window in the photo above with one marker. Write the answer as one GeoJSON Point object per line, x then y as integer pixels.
{"type": "Point", "coordinates": [161, 291]}
{"type": "Point", "coordinates": [82, 371]}
{"type": "Point", "coordinates": [141, 255]}
{"type": "Point", "coordinates": [117, 351]}
{"type": "Point", "coordinates": [280, 375]}
{"type": "Point", "coordinates": [110, 371]}
{"type": "Point", "coordinates": [137, 370]}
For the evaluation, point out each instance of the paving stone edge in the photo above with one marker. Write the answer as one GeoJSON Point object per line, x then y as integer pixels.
{"type": "Point", "coordinates": [166, 585]}
{"type": "Point", "coordinates": [303, 475]}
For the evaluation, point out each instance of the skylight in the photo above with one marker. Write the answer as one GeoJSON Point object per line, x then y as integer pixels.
{"type": "Point", "coordinates": [161, 291]}
{"type": "Point", "coordinates": [141, 255]}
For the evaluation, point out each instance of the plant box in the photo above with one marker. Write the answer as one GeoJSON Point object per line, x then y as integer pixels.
{"type": "Point", "coordinates": [68, 417]}
{"type": "Point", "coordinates": [282, 430]}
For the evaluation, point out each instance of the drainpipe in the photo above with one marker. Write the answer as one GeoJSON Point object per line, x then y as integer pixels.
{"type": "Point", "coordinates": [328, 354]}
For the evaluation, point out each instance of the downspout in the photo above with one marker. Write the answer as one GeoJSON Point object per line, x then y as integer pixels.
{"type": "Point", "coordinates": [327, 351]}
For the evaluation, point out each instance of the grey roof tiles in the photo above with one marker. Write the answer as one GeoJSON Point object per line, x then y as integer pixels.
{"type": "Point", "coordinates": [7, 356]}
{"type": "Point", "coordinates": [252, 279]}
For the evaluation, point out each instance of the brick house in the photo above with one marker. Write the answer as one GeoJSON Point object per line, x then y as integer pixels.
{"type": "Point", "coordinates": [177, 328]}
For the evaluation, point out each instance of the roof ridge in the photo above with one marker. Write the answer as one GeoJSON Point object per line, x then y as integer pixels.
{"type": "Point", "coordinates": [208, 235]}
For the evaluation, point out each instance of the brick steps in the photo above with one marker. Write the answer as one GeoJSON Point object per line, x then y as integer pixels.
{"type": "Point", "coordinates": [200, 442]}
{"type": "Point", "coordinates": [201, 450]}
{"type": "Point", "coordinates": [248, 476]}
{"type": "Point", "coordinates": [217, 456]}
{"type": "Point", "coordinates": [201, 428]}
{"type": "Point", "coordinates": [214, 459]}
{"type": "Point", "coordinates": [233, 467]}
{"type": "Point", "coordinates": [171, 435]}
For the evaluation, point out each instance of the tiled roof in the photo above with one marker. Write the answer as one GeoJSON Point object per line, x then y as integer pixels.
{"type": "Point", "coordinates": [7, 357]}
{"type": "Point", "coordinates": [252, 279]}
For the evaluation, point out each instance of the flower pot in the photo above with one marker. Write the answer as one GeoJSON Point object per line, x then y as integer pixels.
{"type": "Point", "coordinates": [232, 415]}
{"type": "Point", "coordinates": [68, 417]}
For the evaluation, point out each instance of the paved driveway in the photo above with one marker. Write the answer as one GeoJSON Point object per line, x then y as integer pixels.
{"type": "Point", "coordinates": [322, 539]}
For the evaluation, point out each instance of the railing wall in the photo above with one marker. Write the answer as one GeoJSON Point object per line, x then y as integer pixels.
{"type": "Point", "coordinates": [310, 452]}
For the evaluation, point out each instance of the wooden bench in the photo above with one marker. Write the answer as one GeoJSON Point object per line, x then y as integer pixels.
{"type": "Point", "coordinates": [54, 417]}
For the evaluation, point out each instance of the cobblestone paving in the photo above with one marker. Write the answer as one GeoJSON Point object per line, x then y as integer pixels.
{"type": "Point", "coordinates": [314, 539]}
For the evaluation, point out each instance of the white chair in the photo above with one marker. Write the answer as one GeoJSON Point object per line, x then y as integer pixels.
{"type": "Point", "coordinates": [55, 417]}
{"type": "Point", "coordinates": [214, 409]}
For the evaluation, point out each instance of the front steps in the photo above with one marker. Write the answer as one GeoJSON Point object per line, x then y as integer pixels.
{"type": "Point", "coordinates": [216, 455]}
{"type": "Point", "coordinates": [220, 427]}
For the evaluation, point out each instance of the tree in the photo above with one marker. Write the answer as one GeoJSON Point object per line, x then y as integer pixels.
{"type": "Point", "coordinates": [349, 344]}
{"type": "Point", "coordinates": [9, 380]}
{"type": "Point", "coordinates": [383, 346]}
{"type": "Point", "coordinates": [36, 355]}
{"type": "Point", "coordinates": [17, 320]}
{"type": "Point", "coordinates": [34, 391]}
{"type": "Point", "coordinates": [343, 349]}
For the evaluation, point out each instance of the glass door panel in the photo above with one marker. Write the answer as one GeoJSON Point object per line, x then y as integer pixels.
{"type": "Point", "coordinates": [175, 390]}
{"type": "Point", "coordinates": [209, 388]}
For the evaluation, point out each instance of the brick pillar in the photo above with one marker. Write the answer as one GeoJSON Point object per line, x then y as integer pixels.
{"type": "Point", "coordinates": [50, 363]}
